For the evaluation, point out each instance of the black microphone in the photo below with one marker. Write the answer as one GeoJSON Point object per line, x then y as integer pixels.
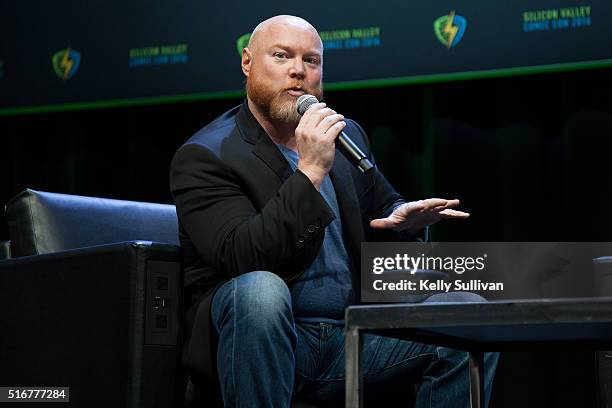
{"type": "Point", "coordinates": [350, 150]}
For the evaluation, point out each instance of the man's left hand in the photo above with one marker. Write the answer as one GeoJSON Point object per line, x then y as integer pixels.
{"type": "Point", "coordinates": [413, 216]}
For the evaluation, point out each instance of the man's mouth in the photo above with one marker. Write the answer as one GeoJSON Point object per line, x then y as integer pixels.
{"type": "Point", "coordinates": [295, 91]}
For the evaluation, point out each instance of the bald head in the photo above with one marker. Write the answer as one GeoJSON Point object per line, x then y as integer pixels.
{"type": "Point", "coordinates": [267, 29]}
{"type": "Point", "coordinates": [283, 60]}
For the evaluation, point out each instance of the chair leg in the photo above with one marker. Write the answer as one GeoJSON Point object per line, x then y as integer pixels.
{"type": "Point", "coordinates": [354, 378]}
{"type": "Point", "coordinates": [477, 379]}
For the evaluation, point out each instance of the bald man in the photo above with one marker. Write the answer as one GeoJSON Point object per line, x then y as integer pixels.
{"type": "Point", "coordinates": [271, 219]}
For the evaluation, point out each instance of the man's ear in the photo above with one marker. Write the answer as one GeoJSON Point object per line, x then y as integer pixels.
{"type": "Point", "coordinates": [247, 59]}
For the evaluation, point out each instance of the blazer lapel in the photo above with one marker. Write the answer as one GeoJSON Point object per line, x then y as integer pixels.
{"type": "Point", "coordinates": [267, 151]}
{"type": "Point", "coordinates": [263, 147]}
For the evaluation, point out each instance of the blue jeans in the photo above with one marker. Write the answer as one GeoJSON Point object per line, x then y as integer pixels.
{"type": "Point", "coordinates": [265, 358]}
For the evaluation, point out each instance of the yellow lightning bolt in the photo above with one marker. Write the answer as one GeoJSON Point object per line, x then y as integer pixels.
{"type": "Point", "coordinates": [450, 29]}
{"type": "Point", "coordinates": [66, 63]}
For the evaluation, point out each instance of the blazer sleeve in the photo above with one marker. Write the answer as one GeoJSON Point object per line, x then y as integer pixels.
{"type": "Point", "coordinates": [229, 233]}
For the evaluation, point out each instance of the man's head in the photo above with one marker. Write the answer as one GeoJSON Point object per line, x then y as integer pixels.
{"type": "Point", "coordinates": [283, 60]}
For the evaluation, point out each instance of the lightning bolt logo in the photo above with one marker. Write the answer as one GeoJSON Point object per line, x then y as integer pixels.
{"type": "Point", "coordinates": [65, 63]}
{"type": "Point", "coordinates": [450, 29]}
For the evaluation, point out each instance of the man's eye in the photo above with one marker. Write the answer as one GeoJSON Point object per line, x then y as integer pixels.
{"type": "Point", "coordinates": [280, 55]}
{"type": "Point", "coordinates": [312, 60]}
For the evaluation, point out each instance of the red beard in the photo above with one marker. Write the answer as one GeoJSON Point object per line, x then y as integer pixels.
{"type": "Point", "coordinates": [278, 105]}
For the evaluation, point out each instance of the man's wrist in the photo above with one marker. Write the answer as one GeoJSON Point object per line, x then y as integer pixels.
{"type": "Point", "coordinates": [315, 177]}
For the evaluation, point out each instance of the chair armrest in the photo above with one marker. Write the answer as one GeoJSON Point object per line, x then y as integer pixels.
{"type": "Point", "coordinates": [167, 251]}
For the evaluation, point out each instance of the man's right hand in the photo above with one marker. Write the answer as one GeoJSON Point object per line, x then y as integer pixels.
{"type": "Point", "coordinates": [315, 137]}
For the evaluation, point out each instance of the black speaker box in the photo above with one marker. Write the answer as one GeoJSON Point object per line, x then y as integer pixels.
{"type": "Point", "coordinates": [103, 321]}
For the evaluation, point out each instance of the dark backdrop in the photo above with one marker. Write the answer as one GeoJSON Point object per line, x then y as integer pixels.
{"type": "Point", "coordinates": [527, 155]}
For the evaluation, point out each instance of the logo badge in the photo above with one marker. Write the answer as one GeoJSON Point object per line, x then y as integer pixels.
{"type": "Point", "coordinates": [450, 29]}
{"type": "Point", "coordinates": [242, 42]}
{"type": "Point", "coordinates": [65, 63]}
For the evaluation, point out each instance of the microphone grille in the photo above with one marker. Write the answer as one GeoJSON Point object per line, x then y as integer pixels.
{"type": "Point", "coordinates": [304, 102]}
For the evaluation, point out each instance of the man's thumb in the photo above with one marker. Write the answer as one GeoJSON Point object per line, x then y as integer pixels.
{"type": "Point", "coordinates": [381, 223]}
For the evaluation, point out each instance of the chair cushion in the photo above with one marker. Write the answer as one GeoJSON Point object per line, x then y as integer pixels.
{"type": "Point", "coordinates": [41, 222]}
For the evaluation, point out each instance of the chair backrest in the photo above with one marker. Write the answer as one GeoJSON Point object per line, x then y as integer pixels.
{"type": "Point", "coordinates": [41, 222]}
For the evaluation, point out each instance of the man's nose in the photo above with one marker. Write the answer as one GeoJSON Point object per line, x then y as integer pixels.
{"type": "Point", "coordinates": [297, 69]}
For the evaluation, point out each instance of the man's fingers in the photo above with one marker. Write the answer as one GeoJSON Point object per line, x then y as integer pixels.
{"type": "Point", "coordinates": [411, 208]}
{"type": "Point", "coordinates": [307, 116]}
{"type": "Point", "coordinates": [432, 203]}
{"type": "Point", "coordinates": [329, 121]}
{"type": "Point", "coordinates": [452, 203]}
{"type": "Point", "coordinates": [440, 203]}
{"type": "Point", "coordinates": [313, 108]}
{"type": "Point", "coordinates": [322, 120]}
{"type": "Point", "coordinates": [448, 213]}
{"type": "Point", "coordinates": [420, 213]}
{"type": "Point", "coordinates": [317, 115]}
{"type": "Point", "coordinates": [335, 130]}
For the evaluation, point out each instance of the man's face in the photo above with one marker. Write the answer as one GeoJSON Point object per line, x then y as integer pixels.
{"type": "Point", "coordinates": [285, 62]}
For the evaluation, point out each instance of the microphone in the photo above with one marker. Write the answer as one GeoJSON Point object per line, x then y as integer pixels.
{"type": "Point", "coordinates": [350, 150]}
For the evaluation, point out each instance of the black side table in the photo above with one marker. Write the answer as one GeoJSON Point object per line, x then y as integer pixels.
{"type": "Point", "coordinates": [479, 327]}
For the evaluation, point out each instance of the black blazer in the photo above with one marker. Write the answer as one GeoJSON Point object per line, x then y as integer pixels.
{"type": "Point", "coordinates": [241, 208]}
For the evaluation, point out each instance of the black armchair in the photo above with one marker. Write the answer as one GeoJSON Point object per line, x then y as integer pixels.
{"type": "Point", "coordinates": [91, 299]}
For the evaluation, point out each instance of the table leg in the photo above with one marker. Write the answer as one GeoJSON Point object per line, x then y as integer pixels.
{"type": "Point", "coordinates": [354, 379]}
{"type": "Point", "coordinates": [477, 399]}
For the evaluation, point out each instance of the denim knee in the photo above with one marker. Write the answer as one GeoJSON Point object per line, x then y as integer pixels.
{"type": "Point", "coordinates": [263, 293]}
{"type": "Point", "coordinates": [455, 297]}
{"type": "Point", "coordinates": [258, 298]}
